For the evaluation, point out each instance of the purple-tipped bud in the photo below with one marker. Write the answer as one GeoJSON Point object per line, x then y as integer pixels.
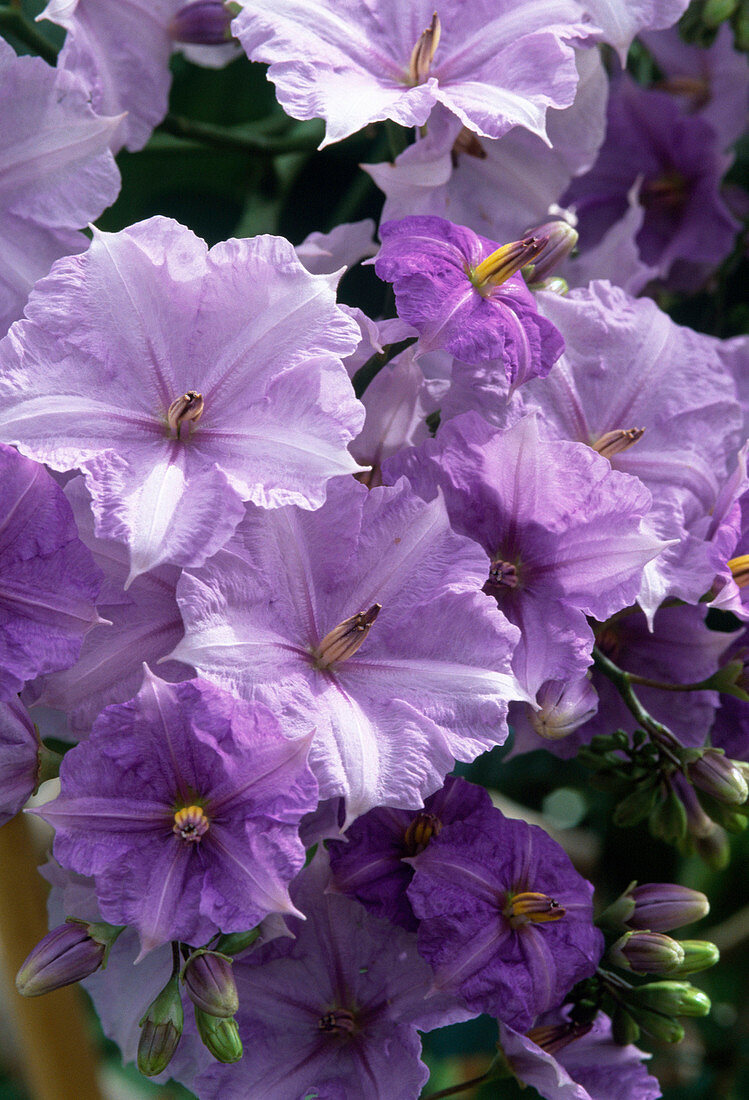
{"type": "Point", "coordinates": [202, 23]}
{"type": "Point", "coordinates": [220, 1035]}
{"type": "Point", "coordinates": [661, 906]}
{"type": "Point", "coordinates": [717, 775]}
{"type": "Point", "coordinates": [561, 239]}
{"type": "Point", "coordinates": [646, 953]}
{"type": "Point", "coordinates": [209, 982]}
{"type": "Point", "coordinates": [161, 1030]}
{"type": "Point", "coordinates": [67, 954]}
{"type": "Point", "coordinates": [563, 706]}
{"type": "Point", "coordinates": [698, 955]}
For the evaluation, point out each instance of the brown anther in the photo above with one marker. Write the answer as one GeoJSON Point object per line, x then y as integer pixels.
{"type": "Point", "coordinates": [343, 640]}
{"type": "Point", "coordinates": [666, 192]}
{"type": "Point", "coordinates": [740, 570]}
{"type": "Point", "coordinates": [424, 51]}
{"type": "Point", "coordinates": [340, 1020]}
{"type": "Point", "coordinates": [190, 823]}
{"type": "Point", "coordinates": [421, 830]}
{"type": "Point", "coordinates": [505, 261]}
{"type": "Point", "coordinates": [467, 142]}
{"type": "Point", "coordinates": [696, 88]}
{"type": "Point", "coordinates": [530, 907]}
{"type": "Point", "coordinates": [613, 443]}
{"type": "Point", "coordinates": [503, 575]}
{"type": "Point", "coordinates": [554, 1037]}
{"type": "Point", "coordinates": [186, 409]}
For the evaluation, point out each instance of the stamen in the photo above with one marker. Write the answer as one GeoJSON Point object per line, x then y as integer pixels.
{"type": "Point", "coordinates": [340, 1020]}
{"type": "Point", "coordinates": [343, 640]}
{"type": "Point", "coordinates": [421, 830]}
{"type": "Point", "coordinates": [740, 570]}
{"type": "Point", "coordinates": [695, 87]}
{"type": "Point", "coordinates": [613, 443]}
{"type": "Point", "coordinates": [503, 575]}
{"type": "Point", "coordinates": [467, 142]}
{"type": "Point", "coordinates": [666, 192]}
{"type": "Point", "coordinates": [505, 261]}
{"type": "Point", "coordinates": [554, 1037]}
{"type": "Point", "coordinates": [190, 823]}
{"type": "Point", "coordinates": [532, 908]}
{"type": "Point", "coordinates": [186, 409]}
{"type": "Point", "coordinates": [424, 51]}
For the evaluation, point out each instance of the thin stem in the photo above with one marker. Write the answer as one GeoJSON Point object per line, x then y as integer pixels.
{"type": "Point", "coordinates": [367, 371]}
{"type": "Point", "coordinates": [645, 682]}
{"type": "Point", "coordinates": [240, 138]}
{"type": "Point", "coordinates": [622, 681]}
{"type": "Point", "coordinates": [15, 23]}
{"type": "Point", "coordinates": [453, 1090]}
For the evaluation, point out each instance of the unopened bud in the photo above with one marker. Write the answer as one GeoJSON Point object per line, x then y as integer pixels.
{"type": "Point", "coordinates": [719, 777]}
{"type": "Point", "coordinates": [662, 906]}
{"type": "Point", "coordinates": [234, 943]}
{"type": "Point", "coordinates": [624, 1028]}
{"type": "Point", "coordinates": [668, 821]}
{"type": "Point", "coordinates": [715, 12]}
{"type": "Point", "coordinates": [646, 953]}
{"type": "Point", "coordinates": [202, 23]}
{"type": "Point", "coordinates": [714, 849]}
{"type": "Point", "coordinates": [636, 806]}
{"type": "Point", "coordinates": [67, 954]}
{"type": "Point", "coordinates": [161, 1029]}
{"type": "Point", "coordinates": [671, 998]}
{"type": "Point", "coordinates": [220, 1035]}
{"type": "Point", "coordinates": [210, 984]}
{"type": "Point", "coordinates": [664, 1028]}
{"type": "Point", "coordinates": [698, 955]}
{"type": "Point", "coordinates": [563, 706]}
{"type": "Point", "coordinates": [561, 240]}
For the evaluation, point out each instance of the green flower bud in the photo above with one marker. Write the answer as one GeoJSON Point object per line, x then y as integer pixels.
{"type": "Point", "coordinates": [161, 1029]}
{"type": "Point", "coordinates": [660, 1027]}
{"type": "Point", "coordinates": [636, 806]}
{"type": "Point", "coordinates": [671, 999]}
{"type": "Point", "coordinates": [624, 1028]}
{"type": "Point", "coordinates": [233, 943]}
{"type": "Point", "coordinates": [698, 955]}
{"type": "Point", "coordinates": [220, 1035]}
{"type": "Point", "coordinates": [716, 12]}
{"type": "Point", "coordinates": [668, 821]}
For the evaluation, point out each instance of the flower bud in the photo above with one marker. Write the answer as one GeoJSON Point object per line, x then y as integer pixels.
{"type": "Point", "coordinates": [563, 706]}
{"type": "Point", "coordinates": [161, 1030]}
{"type": "Point", "coordinates": [661, 906]}
{"type": "Point", "coordinates": [67, 954]}
{"type": "Point", "coordinates": [668, 821]}
{"type": "Point", "coordinates": [714, 849]}
{"type": "Point", "coordinates": [233, 943]}
{"type": "Point", "coordinates": [202, 23]}
{"type": "Point", "coordinates": [209, 982]}
{"type": "Point", "coordinates": [220, 1035]}
{"type": "Point", "coordinates": [646, 953]}
{"type": "Point", "coordinates": [671, 999]}
{"type": "Point", "coordinates": [719, 777]}
{"type": "Point", "coordinates": [636, 806]}
{"type": "Point", "coordinates": [698, 955]}
{"type": "Point", "coordinates": [561, 240]}
{"type": "Point", "coordinates": [624, 1028]}
{"type": "Point", "coordinates": [664, 1028]}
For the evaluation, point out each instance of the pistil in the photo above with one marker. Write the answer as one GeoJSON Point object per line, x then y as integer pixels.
{"type": "Point", "coordinates": [530, 907]}
{"type": "Point", "coordinates": [343, 640]}
{"type": "Point", "coordinates": [613, 443]}
{"type": "Point", "coordinates": [505, 261]}
{"type": "Point", "coordinates": [184, 412]}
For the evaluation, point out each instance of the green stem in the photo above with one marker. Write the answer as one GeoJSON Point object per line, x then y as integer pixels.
{"type": "Point", "coordinates": [375, 363]}
{"type": "Point", "coordinates": [239, 138]}
{"type": "Point", "coordinates": [15, 23]}
{"type": "Point", "coordinates": [622, 681]}
{"type": "Point", "coordinates": [643, 681]}
{"type": "Point", "coordinates": [453, 1090]}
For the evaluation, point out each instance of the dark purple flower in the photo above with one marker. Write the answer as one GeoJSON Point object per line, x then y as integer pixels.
{"type": "Point", "coordinates": [462, 294]}
{"type": "Point", "coordinates": [184, 805]}
{"type": "Point", "coordinates": [369, 864]}
{"type": "Point", "coordinates": [506, 921]}
{"type": "Point", "coordinates": [332, 1013]}
{"type": "Point", "coordinates": [687, 229]}
{"type": "Point", "coordinates": [48, 580]}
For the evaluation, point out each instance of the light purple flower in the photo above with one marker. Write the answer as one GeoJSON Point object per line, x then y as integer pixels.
{"type": "Point", "coordinates": [19, 758]}
{"type": "Point", "coordinates": [344, 246]}
{"type": "Point", "coordinates": [56, 173]}
{"type": "Point", "coordinates": [687, 229]}
{"type": "Point", "coordinates": [140, 626]}
{"type": "Point", "coordinates": [493, 64]}
{"type": "Point", "coordinates": [184, 805]}
{"type": "Point", "coordinates": [444, 287]}
{"type": "Point", "coordinates": [622, 20]}
{"type": "Point", "coordinates": [563, 1065]}
{"type": "Point", "coordinates": [287, 614]}
{"type": "Point", "coordinates": [369, 864]}
{"type": "Point", "coordinates": [48, 580]}
{"type": "Point", "coordinates": [183, 381]}
{"type": "Point", "coordinates": [333, 1013]}
{"type": "Point", "coordinates": [561, 530]}
{"type": "Point", "coordinates": [505, 920]}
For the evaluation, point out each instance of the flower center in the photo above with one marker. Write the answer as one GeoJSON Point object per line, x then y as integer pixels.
{"type": "Point", "coordinates": [503, 576]}
{"type": "Point", "coordinates": [613, 443]}
{"type": "Point", "coordinates": [343, 640]}
{"type": "Point", "coordinates": [423, 52]}
{"type": "Point", "coordinates": [184, 412]}
{"type": "Point", "coordinates": [190, 823]}
{"type": "Point", "coordinates": [505, 261]}
{"type": "Point", "coordinates": [530, 907]}
{"type": "Point", "coordinates": [666, 193]}
{"type": "Point", "coordinates": [340, 1021]}
{"type": "Point", "coordinates": [421, 830]}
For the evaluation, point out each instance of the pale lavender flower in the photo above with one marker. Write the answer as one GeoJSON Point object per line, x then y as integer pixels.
{"type": "Point", "coordinates": [48, 580]}
{"type": "Point", "coordinates": [505, 920]}
{"type": "Point", "coordinates": [19, 758]}
{"type": "Point", "coordinates": [687, 229]}
{"type": "Point", "coordinates": [365, 620]}
{"type": "Point", "coordinates": [334, 1012]}
{"type": "Point", "coordinates": [56, 173]}
{"type": "Point", "coordinates": [564, 1062]}
{"type": "Point", "coordinates": [561, 530]}
{"type": "Point", "coordinates": [621, 20]}
{"type": "Point", "coordinates": [140, 626]}
{"type": "Point", "coordinates": [463, 295]}
{"type": "Point", "coordinates": [344, 246]}
{"type": "Point", "coordinates": [183, 381]}
{"type": "Point", "coordinates": [493, 64]}
{"type": "Point", "coordinates": [184, 805]}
